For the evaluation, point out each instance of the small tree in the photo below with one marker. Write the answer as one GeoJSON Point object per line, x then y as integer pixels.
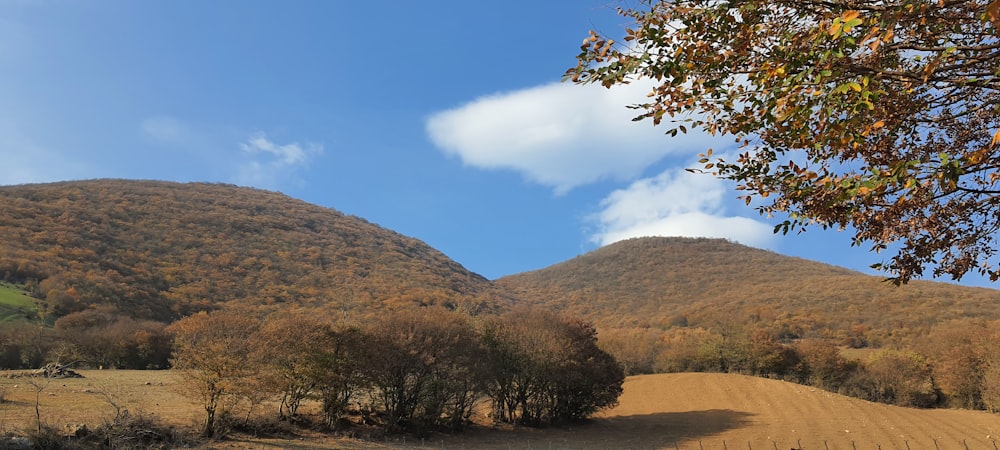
{"type": "Point", "coordinates": [305, 356]}
{"type": "Point", "coordinates": [213, 353]}
{"type": "Point", "coordinates": [822, 365]}
{"type": "Point", "coordinates": [289, 349]}
{"type": "Point", "coordinates": [958, 359]}
{"type": "Point", "coordinates": [545, 369]}
{"type": "Point", "coordinates": [426, 370]}
{"type": "Point", "coordinates": [341, 371]}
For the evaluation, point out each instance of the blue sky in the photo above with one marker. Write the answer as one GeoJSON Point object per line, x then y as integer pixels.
{"type": "Point", "coordinates": [441, 120]}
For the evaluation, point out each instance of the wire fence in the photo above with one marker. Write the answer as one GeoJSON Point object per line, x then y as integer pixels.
{"type": "Point", "coordinates": [905, 444]}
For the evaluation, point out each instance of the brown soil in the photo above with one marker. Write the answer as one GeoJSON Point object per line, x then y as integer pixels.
{"type": "Point", "coordinates": [687, 411]}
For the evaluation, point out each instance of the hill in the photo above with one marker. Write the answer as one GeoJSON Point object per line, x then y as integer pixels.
{"type": "Point", "coordinates": [160, 250]}
{"type": "Point", "coordinates": [662, 283]}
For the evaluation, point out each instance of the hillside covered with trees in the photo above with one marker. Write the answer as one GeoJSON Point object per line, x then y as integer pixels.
{"type": "Point", "coordinates": [662, 283]}
{"type": "Point", "coordinates": [160, 251]}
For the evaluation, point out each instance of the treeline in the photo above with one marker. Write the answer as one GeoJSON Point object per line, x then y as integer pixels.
{"type": "Point", "coordinates": [100, 337]}
{"type": "Point", "coordinates": [956, 364]}
{"type": "Point", "coordinates": [412, 370]}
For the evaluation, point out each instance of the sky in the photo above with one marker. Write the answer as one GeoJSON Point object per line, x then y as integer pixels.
{"type": "Point", "coordinates": [442, 120]}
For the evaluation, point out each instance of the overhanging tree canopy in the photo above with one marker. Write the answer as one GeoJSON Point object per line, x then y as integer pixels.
{"type": "Point", "coordinates": [879, 115]}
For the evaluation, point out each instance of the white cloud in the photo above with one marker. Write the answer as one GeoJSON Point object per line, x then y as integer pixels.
{"type": "Point", "coordinates": [559, 135]}
{"type": "Point", "coordinates": [268, 162]}
{"type": "Point", "coordinates": [675, 203]}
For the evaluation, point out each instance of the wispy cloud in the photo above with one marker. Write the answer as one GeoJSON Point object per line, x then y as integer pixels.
{"type": "Point", "coordinates": [558, 135]}
{"type": "Point", "coordinates": [675, 203]}
{"type": "Point", "coordinates": [267, 164]}
{"type": "Point", "coordinates": [169, 131]}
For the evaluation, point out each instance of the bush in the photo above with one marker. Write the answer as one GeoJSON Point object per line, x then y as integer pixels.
{"type": "Point", "coordinates": [902, 378]}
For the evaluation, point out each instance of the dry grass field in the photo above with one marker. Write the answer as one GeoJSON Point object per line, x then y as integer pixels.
{"type": "Point", "coordinates": [686, 411]}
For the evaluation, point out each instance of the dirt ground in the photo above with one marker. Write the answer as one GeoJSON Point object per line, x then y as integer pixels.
{"type": "Point", "coordinates": [671, 411]}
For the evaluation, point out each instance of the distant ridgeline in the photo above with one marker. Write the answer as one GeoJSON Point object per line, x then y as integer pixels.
{"type": "Point", "coordinates": [669, 283]}
{"type": "Point", "coordinates": [160, 251]}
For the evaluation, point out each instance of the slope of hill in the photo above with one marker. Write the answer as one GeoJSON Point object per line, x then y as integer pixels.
{"type": "Point", "coordinates": [160, 250]}
{"type": "Point", "coordinates": [665, 282]}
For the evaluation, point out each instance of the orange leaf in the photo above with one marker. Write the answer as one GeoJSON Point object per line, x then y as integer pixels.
{"type": "Point", "coordinates": [993, 11]}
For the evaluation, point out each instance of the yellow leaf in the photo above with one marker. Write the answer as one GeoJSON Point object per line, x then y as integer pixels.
{"type": "Point", "coordinates": [849, 15]}
{"type": "Point", "coordinates": [880, 124]}
{"type": "Point", "coordinates": [996, 139]}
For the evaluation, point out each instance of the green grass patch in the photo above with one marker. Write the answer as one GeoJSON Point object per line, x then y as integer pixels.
{"type": "Point", "coordinates": [16, 305]}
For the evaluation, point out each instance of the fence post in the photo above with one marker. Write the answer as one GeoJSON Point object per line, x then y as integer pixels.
{"type": "Point", "coordinates": [965, 444]}
{"type": "Point", "coordinates": [854, 446]}
{"type": "Point", "coordinates": [907, 444]}
{"type": "Point", "coordinates": [826, 445]}
{"type": "Point", "coordinates": [700, 447]}
{"type": "Point", "coordinates": [749, 446]}
{"type": "Point", "coordinates": [936, 445]}
{"type": "Point", "coordinates": [727, 448]}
